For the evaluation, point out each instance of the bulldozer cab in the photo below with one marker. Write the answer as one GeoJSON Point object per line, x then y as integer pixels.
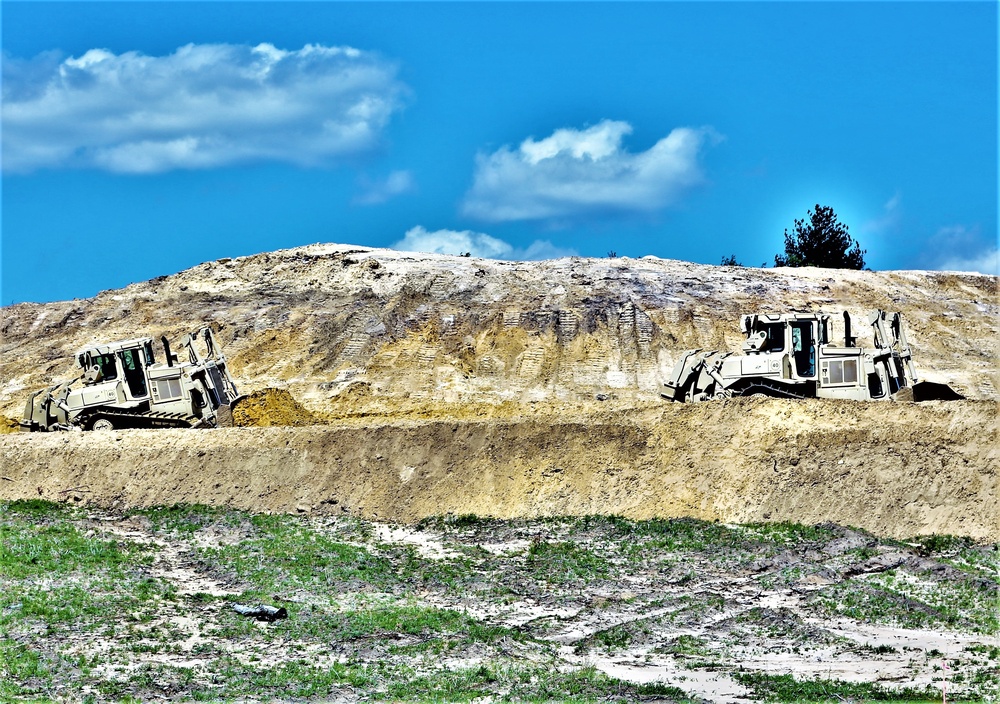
{"type": "Point", "coordinates": [800, 335]}
{"type": "Point", "coordinates": [125, 361]}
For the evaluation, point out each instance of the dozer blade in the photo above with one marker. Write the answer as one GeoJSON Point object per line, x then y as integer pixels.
{"type": "Point", "coordinates": [224, 414]}
{"type": "Point", "coordinates": [933, 391]}
{"type": "Point", "coordinates": [926, 391]}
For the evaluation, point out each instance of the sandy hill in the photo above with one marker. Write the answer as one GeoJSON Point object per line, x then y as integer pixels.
{"type": "Point", "coordinates": [462, 385]}
{"type": "Point", "coordinates": [354, 327]}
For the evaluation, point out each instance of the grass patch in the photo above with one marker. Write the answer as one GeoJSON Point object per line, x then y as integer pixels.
{"type": "Point", "coordinates": [34, 508]}
{"type": "Point", "coordinates": [52, 575]}
{"type": "Point", "coordinates": [785, 688]}
{"type": "Point", "coordinates": [942, 544]}
{"type": "Point", "coordinates": [186, 519]}
{"type": "Point", "coordinates": [20, 666]}
{"type": "Point", "coordinates": [315, 624]}
{"type": "Point", "coordinates": [283, 555]}
{"type": "Point", "coordinates": [899, 598]}
{"type": "Point", "coordinates": [528, 684]}
{"type": "Point", "coordinates": [564, 561]}
{"type": "Point", "coordinates": [53, 549]}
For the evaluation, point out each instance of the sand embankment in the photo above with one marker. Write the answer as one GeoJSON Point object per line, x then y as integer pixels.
{"type": "Point", "coordinates": [894, 469]}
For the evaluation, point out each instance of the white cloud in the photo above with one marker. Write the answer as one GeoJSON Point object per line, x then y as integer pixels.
{"type": "Point", "coordinates": [395, 184]}
{"type": "Point", "coordinates": [478, 244]}
{"type": "Point", "coordinates": [986, 261]}
{"type": "Point", "coordinates": [959, 248]}
{"type": "Point", "coordinates": [542, 249]}
{"type": "Point", "coordinates": [202, 106]}
{"type": "Point", "coordinates": [890, 219]}
{"type": "Point", "coordinates": [583, 173]}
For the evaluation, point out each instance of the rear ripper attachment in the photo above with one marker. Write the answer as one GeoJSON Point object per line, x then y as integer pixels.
{"type": "Point", "coordinates": [793, 356]}
{"type": "Point", "coordinates": [122, 385]}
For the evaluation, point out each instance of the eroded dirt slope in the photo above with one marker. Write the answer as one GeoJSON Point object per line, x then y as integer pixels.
{"type": "Point", "coordinates": [463, 385]}
{"type": "Point", "coordinates": [894, 469]}
{"type": "Point", "coordinates": [368, 329]}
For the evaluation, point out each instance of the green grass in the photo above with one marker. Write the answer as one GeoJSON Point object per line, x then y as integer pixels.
{"type": "Point", "coordinates": [52, 573]}
{"type": "Point", "coordinates": [458, 522]}
{"type": "Point", "coordinates": [615, 638]}
{"type": "Point", "coordinates": [283, 555]}
{"type": "Point", "coordinates": [55, 549]}
{"type": "Point", "coordinates": [366, 618]}
{"type": "Point", "coordinates": [189, 518]}
{"type": "Point", "coordinates": [564, 561]}
{"type": "Point", "coordinates": [785, 688]}
{"type": "Point", "coordinates": [527, 684]}
{"type": "Point", "coordinates": [19, 664]}
{"type": "Point", "coordinates": [891, 598]}
{"type": "Point", "coordinates": [687, 645]}
{"type": "Point", "coordinates": [940, 544]}
{"type": "Point", "coordinates": [317, 624]}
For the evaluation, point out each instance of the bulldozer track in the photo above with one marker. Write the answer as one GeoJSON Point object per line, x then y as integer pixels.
{"type": "Point", "coordinates": [146, 419]}
{"type": "Point", "coordinates": [770, 388]}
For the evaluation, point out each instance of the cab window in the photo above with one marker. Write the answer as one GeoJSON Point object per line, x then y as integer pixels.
{"type": "Point", "coordinates": [803, 349]}
{"type": "Point", "coordinates": [775, 336]}
{"type": "Point", "coordinates": [106, 363]}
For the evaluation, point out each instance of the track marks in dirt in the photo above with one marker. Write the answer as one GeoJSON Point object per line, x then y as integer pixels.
{"type": "Point", "coordinates": [673, 604]}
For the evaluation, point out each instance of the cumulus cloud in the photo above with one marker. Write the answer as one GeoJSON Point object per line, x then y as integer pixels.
{"type": "Point", "coordinates": [584, 173]}
{"type": "Point", "coordinates": [960, 248]}
{"type": "Point", "coordinates": [478, 244]}
{"type": "Point", "coordinates": [203, 106]}
{"type": "Point", "coordinates": [379, 191]}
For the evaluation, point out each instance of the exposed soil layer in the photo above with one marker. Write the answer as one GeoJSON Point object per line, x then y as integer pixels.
{"type": "Point", "coordinates": [894, 469]}
{"type": "Point", "coordinates": [463, 385]}
{"type": "Point", "coordinates": [362, 329]}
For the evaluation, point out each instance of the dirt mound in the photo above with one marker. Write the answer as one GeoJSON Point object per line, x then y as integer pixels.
{"type": "Point", "coordinates": [8, 425]}
{"type": "Point", "coordinates": [465, 385]}
{"type": "Point", "coordinates": [271, 408]}
{"type": "Point", "coordinates": [348, 328]}
{"type": "Point", "coordinates": [894, 469]}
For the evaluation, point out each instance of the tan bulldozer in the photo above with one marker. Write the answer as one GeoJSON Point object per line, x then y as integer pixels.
{"type": "Point", "coordinates": [794, 355]}
{"type": "Point", "coordinates": [122, 385]}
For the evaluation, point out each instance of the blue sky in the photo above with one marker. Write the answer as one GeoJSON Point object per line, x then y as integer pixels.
{"type": "Point", "coordinates": [143, 138]}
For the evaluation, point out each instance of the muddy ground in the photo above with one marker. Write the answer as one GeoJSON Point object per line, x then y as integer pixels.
{"type": "Point", "coordinates": [139, 604]}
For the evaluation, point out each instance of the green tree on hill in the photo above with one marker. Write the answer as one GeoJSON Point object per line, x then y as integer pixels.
{"type": "Point", "coordinates": [821, 240]}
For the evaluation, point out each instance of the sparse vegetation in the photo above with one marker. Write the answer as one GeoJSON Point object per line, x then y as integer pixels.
{"type": "Point", "coordinates": [786, 688]}
{"type": "Point", "coordinates": [128, 607]}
